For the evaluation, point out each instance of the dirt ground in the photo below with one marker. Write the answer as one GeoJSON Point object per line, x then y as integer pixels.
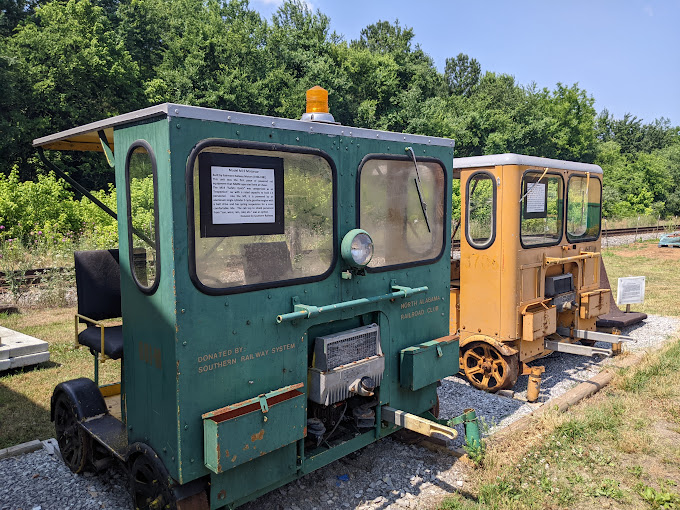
{"type": "Point", "coordinates": [651, 251]}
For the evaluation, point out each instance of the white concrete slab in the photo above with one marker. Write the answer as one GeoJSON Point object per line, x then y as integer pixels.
{"type": "Point", "coordinates": [18, 349]}
{"type": "Point", "coordinates": [30, 359]}
{"type": "Point", "coordinates": [13, 344]}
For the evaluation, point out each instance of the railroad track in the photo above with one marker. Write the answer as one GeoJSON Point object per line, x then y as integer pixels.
{"type": "Point", "coordinates": [30, 276]}
{"type": "Point", "coordinates": [36, 276]}
{"type": "Point", "coordinates": [613, 232]}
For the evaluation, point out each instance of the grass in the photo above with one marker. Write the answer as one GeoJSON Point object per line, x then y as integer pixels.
{"type": "Point", "coordinates": [619, 449]}
{"type": "Point", "coordinates": [658, 265]}
{"type": "Point", "coordinates": [25, 392]}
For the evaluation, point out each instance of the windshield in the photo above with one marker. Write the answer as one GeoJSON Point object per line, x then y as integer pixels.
{"type": "Point", "coordinates": [396, 207]}
{"type": "Point", "coordinates": [584, 199]}
{"type": "Point", "coordinates": [261, 216]}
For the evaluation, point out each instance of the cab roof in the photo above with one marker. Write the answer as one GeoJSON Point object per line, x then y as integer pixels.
{"type": "Point", "coordinates": [521, 160]}
{"type": "Point", "coordinates": [86, 137]}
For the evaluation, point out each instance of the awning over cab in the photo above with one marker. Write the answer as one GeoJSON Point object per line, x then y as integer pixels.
{"type": "Point", "coordinates": [88, 137]}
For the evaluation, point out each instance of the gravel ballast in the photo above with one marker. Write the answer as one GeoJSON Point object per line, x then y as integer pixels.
{"type": "Point", "coordinates": [386, 474]}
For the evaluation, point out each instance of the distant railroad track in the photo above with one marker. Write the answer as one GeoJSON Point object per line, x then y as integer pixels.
{"type": "Point", "coordinates": [30, 276]}
{"type": "Point", "coordinates": [615, 232]}
{"type": "Point", "coordinates": [36, 276]}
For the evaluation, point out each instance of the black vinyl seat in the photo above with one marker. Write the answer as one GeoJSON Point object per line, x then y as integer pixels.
{"type": "Point", "coordinates": [98, 287]}
{"type": "Point", "coordinates": [113, 344]}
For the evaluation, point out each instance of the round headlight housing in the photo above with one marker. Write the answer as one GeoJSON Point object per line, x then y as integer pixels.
{"type": "Point", "coordinates": [357, 248]}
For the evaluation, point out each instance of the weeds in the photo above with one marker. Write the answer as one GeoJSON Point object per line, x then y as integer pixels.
{"type": "Point", "coordinates": [658, 499]}
{"type": "Point", "coordinates": [608, 488]}
{"type": "Point", "coordinates": [636, 471]}
{"type": "Point", "coordinates": [475, 451]}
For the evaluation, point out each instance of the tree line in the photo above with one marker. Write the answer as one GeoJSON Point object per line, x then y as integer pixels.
{"type": "Point", "coordinates": [66, 63]}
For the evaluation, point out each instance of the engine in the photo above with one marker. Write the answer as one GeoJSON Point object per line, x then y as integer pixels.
{"type": "Point", "coordinates": [346, 370]}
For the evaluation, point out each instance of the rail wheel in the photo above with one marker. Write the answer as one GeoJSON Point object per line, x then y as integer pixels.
{"type": "Point", "coordinates": [149, 483]}
{"type": "Point", "coordinates": [75, 444]}
{"type": "Point", "coordinates": [487, 369]}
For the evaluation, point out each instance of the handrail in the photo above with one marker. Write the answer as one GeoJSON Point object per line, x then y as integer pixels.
{"type": "Point", "coordinates": [552, 261]}
{"type": "Point", "coordinates": [309, 311]}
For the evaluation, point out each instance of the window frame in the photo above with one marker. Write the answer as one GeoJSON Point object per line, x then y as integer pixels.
{"type": "Point", "coordinates": [191, 230]}
{"type": "Point", "coordinates": [494, 211]}
{"type": "Point", "coordinates": [564, 210]}
{"type": "Point", "coordinates": [154, 172]}
{"type": "Point", "coordinates": [398, 157]}
{"type": "Point", "coordinates": [582, 175]}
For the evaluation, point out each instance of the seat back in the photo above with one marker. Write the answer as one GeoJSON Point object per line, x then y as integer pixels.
{"type": "Point", "coordinates": [98, 284]}
{"type": "Point", "coordinates": [266, 262]}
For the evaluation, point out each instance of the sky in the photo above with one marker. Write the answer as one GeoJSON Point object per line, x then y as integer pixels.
{"type": "Point", "coordinates": [624, 53]}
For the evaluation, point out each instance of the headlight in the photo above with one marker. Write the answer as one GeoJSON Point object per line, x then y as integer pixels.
{"type": "Point", "coordinates": [357, 248]}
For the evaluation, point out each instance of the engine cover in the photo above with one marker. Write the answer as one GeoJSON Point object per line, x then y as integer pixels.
{"type": "Point", "coordinates": [342, 359]}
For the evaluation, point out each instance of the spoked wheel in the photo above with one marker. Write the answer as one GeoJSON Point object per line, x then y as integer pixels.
{"type": "Point", "coordinates": [75, 444]}
{"type": "Point", "coordinates": [149, 483]}
{"type": "Point", "coordinates": [487, 369]}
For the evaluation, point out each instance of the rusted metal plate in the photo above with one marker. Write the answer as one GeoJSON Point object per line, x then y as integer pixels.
{"type": "Point", "coordinates": [110, 432]}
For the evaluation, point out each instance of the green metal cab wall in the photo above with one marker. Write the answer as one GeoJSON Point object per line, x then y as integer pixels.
{"type": "Point", "coordinates": [246, 322]}
{"type": "Point", "coordinates": [149, 325]}
{"type": "Point", "coordinates": [195, 329]}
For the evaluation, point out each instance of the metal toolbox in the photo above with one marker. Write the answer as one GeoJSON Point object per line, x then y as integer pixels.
{"type": "Point", "coordinates": [426, 363]}
{"type": "Point", "coordinates": [595, 303]}
{"type": "Point", "coordinates": [539, 320]}
{"type": "Point", "coordinates": [244, 431]}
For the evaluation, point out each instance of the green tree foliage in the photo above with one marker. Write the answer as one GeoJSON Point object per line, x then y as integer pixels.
{"type": "Point", "coordinates": [68, 62]}
{"type": "Point", "coordinates": [29, 207]}
{"type": "Point", "coordinates": [462, 74]}
{"type": "Point", "coordinates": [69, 67]}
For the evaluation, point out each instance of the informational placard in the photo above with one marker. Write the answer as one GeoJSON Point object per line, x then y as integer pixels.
{"type": "Point", "coordinates": [240, 195]}
{"type": "Point", "coordinates": [536, 197]}
{"type": "Point", "coordinates": [631, 290]}
{"type": "Point", "coordinates": [535, 200]}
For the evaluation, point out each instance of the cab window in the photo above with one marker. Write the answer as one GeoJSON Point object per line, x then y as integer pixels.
{"type": "Point", "coordinates": [402, 209]}
{"type": "Point", "coordinates": [480, 225]}
{"type": "Point", "coordinates": [260, 217]}
{"type": "Point", "coordinates": [541, 209]}
{"type": "Point", "coordinates": [584, 199]}
{"type": "Point", "coordinates": [142, 215]}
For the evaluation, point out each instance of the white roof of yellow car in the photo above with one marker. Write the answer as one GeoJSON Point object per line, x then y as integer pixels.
{"type": "Point", "coordinates": [521, 160]}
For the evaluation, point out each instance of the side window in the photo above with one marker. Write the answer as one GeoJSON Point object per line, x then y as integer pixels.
{"type": "Point", "coordinates": [480, 224]}
{"type": "Point", "coordinates": [584, 199]}
{"type": "Point", "coordinates": [260, 217]}
{"type": "Point", "coordinates": [142, 215]}
{"type": "Point", "coordinates": [404, 229]}
{"type": "Point", "coordinates": [541, 209]}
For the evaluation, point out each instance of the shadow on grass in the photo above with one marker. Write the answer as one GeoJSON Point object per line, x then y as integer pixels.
{"type": "Point", "coordinates": [23, 419]}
